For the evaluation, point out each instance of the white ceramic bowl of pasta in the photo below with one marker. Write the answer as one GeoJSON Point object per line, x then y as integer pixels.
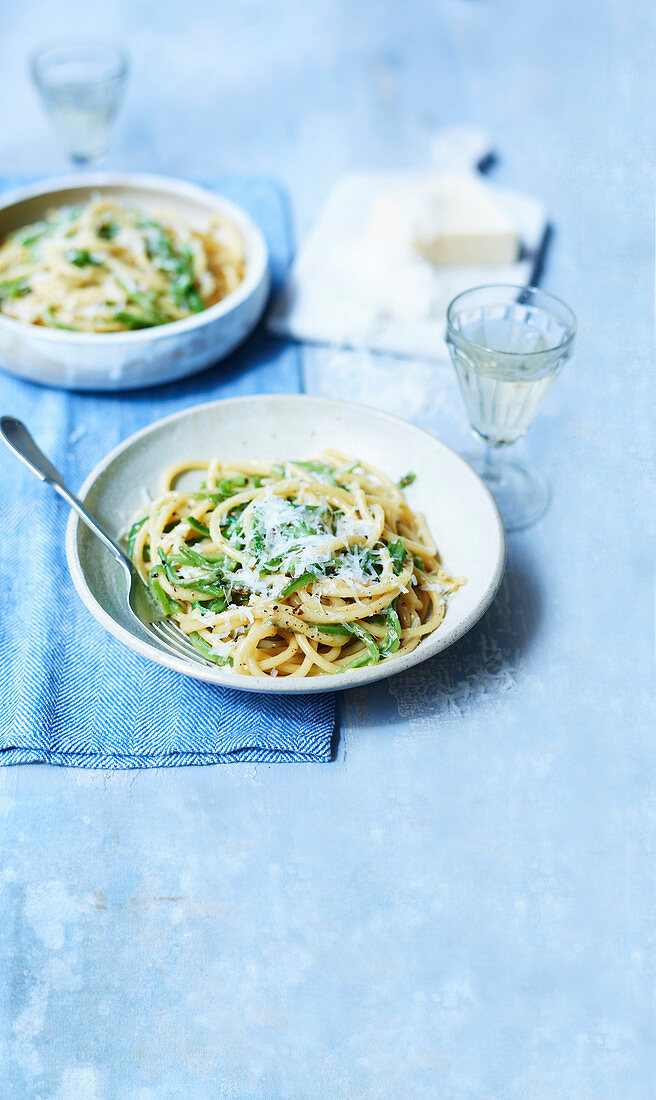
{"type": "Point", "coordinates": [148, 356]}
{"type": "Point", "coordinates": [459, 510]}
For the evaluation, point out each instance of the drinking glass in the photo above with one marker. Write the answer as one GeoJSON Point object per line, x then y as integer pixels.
{"type": "Point", "coordinates": [81, 86]}
{"type": "Point", "coordinates": [508, 345]}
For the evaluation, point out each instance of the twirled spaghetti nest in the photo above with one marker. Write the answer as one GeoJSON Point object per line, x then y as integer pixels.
{"type": "Point", "coordinates": [292, 569]}
{"type": "Point", "coordinates": [106, 267]}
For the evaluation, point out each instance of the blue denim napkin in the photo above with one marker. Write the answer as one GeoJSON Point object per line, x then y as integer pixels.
{"type": "Point", "coordinates": [69, 693]}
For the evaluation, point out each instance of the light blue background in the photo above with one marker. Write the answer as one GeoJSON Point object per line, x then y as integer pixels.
{"type": "Point", "coordinates": [463, 904]}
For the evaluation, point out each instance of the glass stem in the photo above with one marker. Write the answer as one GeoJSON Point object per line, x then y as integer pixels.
{"type": "Point", "coordinates": [492, 472]}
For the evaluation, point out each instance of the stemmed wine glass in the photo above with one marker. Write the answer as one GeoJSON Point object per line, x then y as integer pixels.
{"type": "Point", "coordinates": [81, 86]}
{"type": "Point", "coordinates": [508, 345]}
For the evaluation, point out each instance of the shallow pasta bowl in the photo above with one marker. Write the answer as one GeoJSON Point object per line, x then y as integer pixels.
{"type": "Point", "coordinates": [148, 356]}
{"type": "Point", "coordinates": [460, 512]}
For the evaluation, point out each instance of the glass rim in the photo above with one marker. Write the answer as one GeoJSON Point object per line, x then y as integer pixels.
{"type": "Point", "coordinates": [117, 54]}
{"type": "Point", "coordinates": [459, 338]}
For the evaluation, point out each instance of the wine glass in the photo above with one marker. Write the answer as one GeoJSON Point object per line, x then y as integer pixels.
{"type": "Point", "coordinates": [81, 86]}
{"type": "Point", "coordinates": [508, 345]}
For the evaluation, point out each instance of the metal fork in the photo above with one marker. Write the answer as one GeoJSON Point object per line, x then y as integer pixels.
{"type": "Point", "coordinates": [139, 601]}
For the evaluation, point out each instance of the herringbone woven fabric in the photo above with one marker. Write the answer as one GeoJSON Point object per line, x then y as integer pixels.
{"type": "Point", "coordinates": [69, 693]}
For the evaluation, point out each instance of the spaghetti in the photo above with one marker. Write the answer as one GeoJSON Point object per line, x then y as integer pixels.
{"type": "Point", "coordinates": [106, 267]}
{"type": "Point", "coordinates": [293, 569]}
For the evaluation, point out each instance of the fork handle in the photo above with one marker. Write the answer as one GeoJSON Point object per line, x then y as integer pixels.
{"type": "Point", "coordinates": [18, 439]}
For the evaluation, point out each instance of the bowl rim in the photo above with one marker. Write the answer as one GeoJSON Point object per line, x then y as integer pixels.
{"type": "Point", "coordinates": [432, 645]}
{"type": "Point", "coordinates": [257, 266]}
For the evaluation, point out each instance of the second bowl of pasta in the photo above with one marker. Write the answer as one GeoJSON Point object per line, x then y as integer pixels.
{"type": "Point", "coordinates": [114, 282]}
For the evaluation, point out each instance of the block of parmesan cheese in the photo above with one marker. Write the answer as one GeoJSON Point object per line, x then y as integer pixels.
{"type": "Point", "coordinates": [450, 219]}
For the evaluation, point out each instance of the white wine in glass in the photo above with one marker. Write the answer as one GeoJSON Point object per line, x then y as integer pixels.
{"type": "Point", "coordinates": [81, 86]}
{"type": "Point", "coordinates": [508, 345]}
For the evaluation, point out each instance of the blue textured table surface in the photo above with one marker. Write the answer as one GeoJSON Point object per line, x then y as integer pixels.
{"type": "Point", "coordinates": [462, 905]}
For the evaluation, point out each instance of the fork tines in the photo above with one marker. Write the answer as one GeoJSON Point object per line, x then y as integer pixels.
{"type": "Point", "coordinates": [174, 639]}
